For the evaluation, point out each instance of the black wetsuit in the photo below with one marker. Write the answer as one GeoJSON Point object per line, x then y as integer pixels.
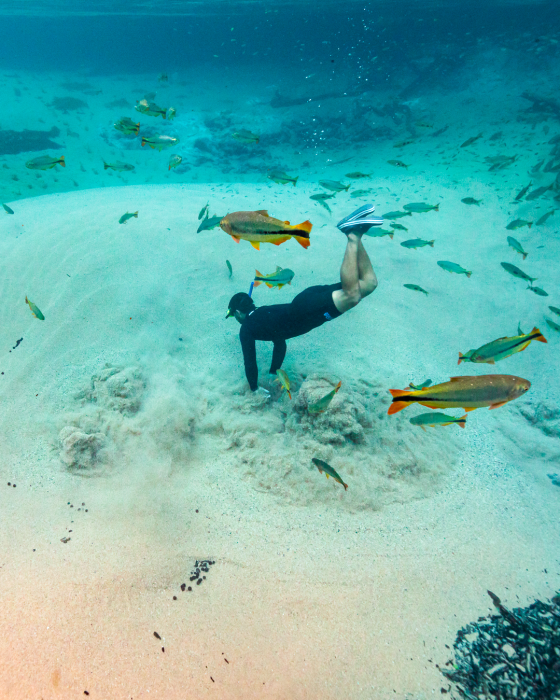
{"type": "Point", "coordinates": [309, 309]}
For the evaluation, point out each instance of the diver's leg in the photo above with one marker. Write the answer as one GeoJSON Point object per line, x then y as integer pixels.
{"type": "Point", "coordinates": [350, 295]}
{"type": "Point", "coordinates": [367, 277]}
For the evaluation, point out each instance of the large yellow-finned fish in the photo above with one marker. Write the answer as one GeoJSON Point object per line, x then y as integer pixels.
{"type": "Point", "coordinates": [258, 227]}
{"type": "Point", "coordinates": [503, 347]}
{"type": "Point", "coordinates": [491, 390]}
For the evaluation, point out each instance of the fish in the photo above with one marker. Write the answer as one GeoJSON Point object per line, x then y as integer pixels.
{"type": "Point", "coordinates": [516, 245]}
{"type": "Point", "coordinates": [535, 194]}
{"type": "Point", "coordinates": [468, 393]}
{"type": "Point", "coordinates": [453, 267]}
{"type": "Point", "coordinates": [45, 163]}
{"type": "Point", "coordinates": [322, 196]}
{"type": "Point", "coordinates": [245, 136]}
{"type": "Point", "coordinates": [497, 136]}
{"type": "Point", "coordinates": [209, 223]}
{"type": "Point", "coordinates": [8, 209]}
{"type": "Point", "coordinates": [523, 192]}
{"type": "Point", "coordinates": [501, 162]}
{"type": "Point", "coordinates": [470, 141]}
{"type": "Point", "coordinates": [555, 326]}
{"type": "Point", "coordinates": [424, 125]}
{"type": "Point", "coordinates": [420, 207]}
{"type": "Point", "coordinates": [537, 167]}
{"type": "Point", "coordinates": [435, 419]}
{"type": "Point", "coordinates": [275, 279]}
{"type": "Point", "coordinates": [160, 141]}
{"type": "Point", "coordinates": [171, 113]}
{"type": "Point", "coordinates": [396, 214]}
{"type": "Point", "coordinates": [229, 267]}
{"type": "Point", "coordinates": [203, 211]}
{"type": "Point", "coordinates": [417, 387]}
{"type": "Point", "coordinates": [118, 166]}
{"type": "Point", "coordinates": [329, 471]}
{"type": "Point", "coordinates": [417, 243]}
{"type": "Point", "coordinates": [258, 227]}
{"type": "Point", "coordinates": [499, 349]}
{"type": "Point", "coordinates": [415, 288]}
{"type": "Point", "coordinates": [357, 175]}
{"type": "Point", "coordinates": [555, 310]}
{"type": "Point", "coordinates": [471, 200]}
{"type": "Point", "coordinates": [174, 161]}
{"type": "Point", "coordinates": [399, 227]}
{"type": "Point", "coordinates": [544, 217]}
{"type": "Point", "coordinates": [538, 291]}
{"type": "Point", "coordinates": [516, 272]}
{"type": "Point", "coordinates": [402, 144]}
{"type": "Point", "coordinates": [334, 185]}
{"type": "Point", "coordinates": [323, 204]}
{"type": "Point", "coordinates": [518, 223]}
{"type": "Point", "coordinates": [441, 131]}
{"type": "Point", "coordinates": [34, 310]}
{"type": "Point", "coordinates": [321, 405]}
{"type": "Point", "coordinates": [359, 193]}
{"type": "Point", "coordinates": [281, 178]}
{"type": "Point", "coordinates": [379, 233]}
{"type": "Point", "coordinates": [398, 164]}
{"type": "Point", "coordinates": [126, 126]}
{"type": "Point", "coordinates": [163, 78]}
{"type": "Point", "coordinates": [284, 381]}
{"type": "Point", "coordinates": [320, 199]}
{"type": "Point", "coordinates": [150, 108]}
{"type": "Point", "coordinates": [125, 217]}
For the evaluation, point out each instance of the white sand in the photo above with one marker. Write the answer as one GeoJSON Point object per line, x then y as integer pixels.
{"type": "Point", "coordinates": [316, 593]}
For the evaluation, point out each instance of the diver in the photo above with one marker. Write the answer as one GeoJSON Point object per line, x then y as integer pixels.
{"type": "Point", "coordinates": [312, 307]}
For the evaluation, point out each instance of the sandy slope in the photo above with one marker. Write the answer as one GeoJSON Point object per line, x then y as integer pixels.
{"type": "Point", "coordinates": [315, 592]}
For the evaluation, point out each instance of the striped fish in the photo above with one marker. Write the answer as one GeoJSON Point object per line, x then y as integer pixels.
{"type": "Point", "coordinates": [491, 390]}
{"type": "Point", "coordinates": [258, 227]}
{"type": "Point", "coordinates": [502, 347]}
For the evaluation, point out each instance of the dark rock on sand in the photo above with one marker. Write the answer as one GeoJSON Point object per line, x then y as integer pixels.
{"type": "Point", "coordinates": [27, 140]}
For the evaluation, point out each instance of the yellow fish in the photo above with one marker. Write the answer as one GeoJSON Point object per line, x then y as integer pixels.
{"type": "Point", "coordinates": [34, 310]}
{"type": "Point", "coordinates": [258, 227]}
{"type": "Point", "coordinates": [284, 381]}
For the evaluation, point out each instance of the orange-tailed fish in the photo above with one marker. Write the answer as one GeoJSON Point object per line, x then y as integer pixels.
{"type": "Point", "coordinates": [258, 227]}
{"type": "Point", "coordinates": [502, 347]}
{"type": "Point", "coordinates": [126, 126]}
{"type": "Point", "coordinates": [174, 161]}
{"type": "Point", "coordinates": [275, 279]}
{"type": "Point", "coordinates": [45, 163]}
{"type": "Point", "coordinates": [328, 470]}
{"type": "Point", "coordinates": [491, 390]}
{"type": "Point", "coordinates": [150, 108]}
{"type": "Point", "coordinates": [34, 310]}
{"type": "Point", "coordinates": [323, 404]}
{"type": "Point", "coordinates": [284, 381]}
{"type": "Point", "coordinates": [435, 419]}
{"type": "Point", "coordinates": [160, 141]}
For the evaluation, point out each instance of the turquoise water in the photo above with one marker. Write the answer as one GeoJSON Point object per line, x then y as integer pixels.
{"type": "Point", "coordinates": [138, 452]}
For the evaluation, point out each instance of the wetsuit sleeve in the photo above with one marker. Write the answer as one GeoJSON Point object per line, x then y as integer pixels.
{"type": "Point", "coordinates": [249, 357]}
{"type": "Point", "coordinates": [278, 355]}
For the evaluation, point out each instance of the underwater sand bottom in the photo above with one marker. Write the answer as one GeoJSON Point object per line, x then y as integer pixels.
{"type": "Point", "coordinates": [302, 603]}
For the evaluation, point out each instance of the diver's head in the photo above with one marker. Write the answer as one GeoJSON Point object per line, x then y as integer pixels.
{"type": "Point", "coordinates": [240, 305]}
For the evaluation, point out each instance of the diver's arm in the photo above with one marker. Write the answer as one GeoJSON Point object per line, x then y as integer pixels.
{"type": "Point", "coordinates": [249, 357]}
{"type": "Point", "coordinates": [278, 355]}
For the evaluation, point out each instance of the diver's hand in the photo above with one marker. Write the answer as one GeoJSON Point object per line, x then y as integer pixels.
{"type": "Point", "coordinates": [262, 393]}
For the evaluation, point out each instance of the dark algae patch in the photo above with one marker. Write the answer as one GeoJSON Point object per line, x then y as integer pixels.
{"type": "Point", "coordinates": [515, 654]}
